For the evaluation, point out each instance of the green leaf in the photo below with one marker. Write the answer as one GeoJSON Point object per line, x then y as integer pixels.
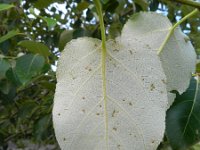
{"type": "Point", "coordinates": [182, 124]}
{"type": "Point", "coordinates": [143, 4]}
{"type": "Point", "coordinates": [12, 76]}
{"type": "Point", "coordinates": [41, 127]}
{"type": "Point", "coordinates": [114, 30]}
{"type": "Point", "coordinates": [4, 66]}
{"type": "Point", "coordinates": [198, 68]}
{"type": "Point", "coordinates": [40, 4]}
{"type": "Point", "coordinates": [82, 5]}
{"type": "Point", "coordinates": [105, 1]}
{"type": "Point", "coordinates": [5, 86]}
{"type": "Point", "coordinates": [195, 147]}
{"type": "Point", "coordinates": [111, 6]}
{"type": "Point", "coordinates": [5, 6]}
{"type": "Point", "coordinates": [50, 22]}
{"type": "Point", "coordinates": [154, 5]}
{"type": "Point", "coordinates": [27, 109]}
{"type": "Point", "coordinates": [28, 66]}
{"type": "Point", "coordinates": [65, 37]}
{"type": "Point", "coordinates": [35, 47]}
{"type": "Point", "coordinates": [9, 35]}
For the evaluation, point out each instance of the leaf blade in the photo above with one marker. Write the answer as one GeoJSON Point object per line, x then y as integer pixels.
{"type": "Point", "coordinates": [5, 6]}
{"type": "Point", "coordinates": [35, 47]}
{"type": "Point", "coordinates": [183, 118]}
{"type": "Point", "coordinates": [9, 35]}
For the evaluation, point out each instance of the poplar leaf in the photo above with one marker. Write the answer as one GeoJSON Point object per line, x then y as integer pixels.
{"type": "Point", "coordinates": [178, 56]}
{"type": "Point", "coordinates": [132, 113]}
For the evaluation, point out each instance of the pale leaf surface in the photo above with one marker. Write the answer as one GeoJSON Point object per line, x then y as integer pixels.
{"type": "Point", "coordinates": [136, 96]}
{"type": "Point", "coordinates": [178, 55]}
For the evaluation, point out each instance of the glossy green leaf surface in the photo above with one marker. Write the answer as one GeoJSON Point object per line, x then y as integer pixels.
{"type": "Point", "coordinates": [183, 117]}
{"type": "Point", "coordinates": [9, 35]}
{"type": "Point", "coordinates": [35, 47]}
{"type": "Point", "coordinates": [5, 6]}
{"type": "Point", "coordinates": [4, 66]}
{"type": "Point", "coordinates": [27, 66]}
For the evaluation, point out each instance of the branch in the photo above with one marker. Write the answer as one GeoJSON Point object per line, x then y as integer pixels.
{"type": "Point", "coordinates": [188, 2]}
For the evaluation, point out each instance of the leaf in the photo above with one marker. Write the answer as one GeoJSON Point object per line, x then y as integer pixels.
{"type": "Point", "coordinates": [198, 68]}
{"type": "Point", "coordinates": [26, 109]}
{"type": "Point", "coordinates": [50, 22]}
{"type": "Point", "coordinates": [12, 76]}
{"type": "Point", "coordinates": [41, 127]}
{"type": "Point", "coordinates": [114, 30]}
{"type": "Point", "coordinates": [195, 147]}
{"type": "Point", "coordinates": [40, 4]}
{"type": "Point", "coordinates": [5, 86]}
{"type": "Point", "coordinates": [82, 5]}
{"type": "Point", "coordinates": [131, 114]}
{"type": "Point", "coordinates": [28, 66]}
{"type": "Point", "coordinates": [111, 6]}
{"type": "Point", "coordinates": [178, 56]}
{"type": "Point", "coordinates": [5, 6]}
{"type": "Point", "coordinates": [4, 66]}
{"type": "Point", "coordinates": [134, 84]}
{"type": "Point", "coordinates": [9, 35]}
{"type": "Point", "coordinates": [143, 4]}
{"type": "Point", "coordinates": [35, 47]}
{"type": "Point", "coordinates": [182, 62]}
{"type": "Point", "coordinates": [154, 5]}
{"type": "Point", "coordinates": [183, 117]}
{"type": "Point", "coordinates": [65, 37]}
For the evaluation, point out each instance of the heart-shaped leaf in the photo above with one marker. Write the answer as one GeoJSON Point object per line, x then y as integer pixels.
{"type": "Point", "coordinates": [131, 115]}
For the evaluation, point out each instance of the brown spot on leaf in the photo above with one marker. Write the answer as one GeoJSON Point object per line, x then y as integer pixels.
{"type": "Point", "coordinates": [83, 97]}
{"type": "Point", "coordinates": [131, 52]}
{"type": "Point", "coordinates": [58, 114]}
{"type": "Point", "coordinates": [114, 128]}
{"type": "Point", "coordinates": [83, 110]}
{"type": "Point", "coordinates": [114, 113]}
{"type": "Point", "coordinates": [115, 50]}
{"type": "Point", "coordinates": [186, 39]}
{"type": "Point", "coordinates": [148, 46]}
{"type": "Point", "coordinates": [130, 104]}
{"type": "Point", "coordinates": [163, 81]}
{"type": "Point", "coordinates": [118, 146]}
{"type": "Point", "coordinates": [88, 68]}
{"type": "Point", "coordinates": [152, 87]}
{"type": "Point", "coordinates": [64, 139]}
{"type": "Point", "coordinates": [97, 114]}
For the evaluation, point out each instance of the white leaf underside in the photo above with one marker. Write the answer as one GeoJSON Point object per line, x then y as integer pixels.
{"type": "Point", "coordinates": [178, 56]}
{"type": "Point", "coordinates": [136, 90]}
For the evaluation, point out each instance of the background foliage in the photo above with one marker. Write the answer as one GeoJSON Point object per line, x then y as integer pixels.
{"type": "Point", "coordinates": [32, 35]}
